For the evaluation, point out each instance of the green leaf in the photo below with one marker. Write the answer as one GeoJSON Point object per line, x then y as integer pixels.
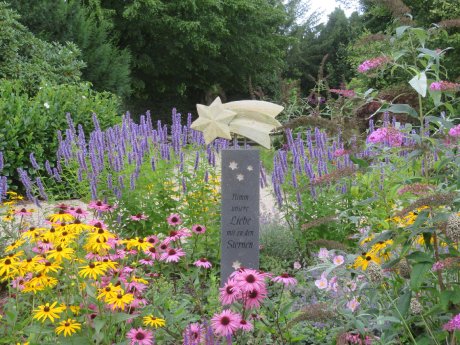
{"type": "Point", "coordinates": [403, 302]}
{"type": "Point", "coordinates": [98, 324]}
{"type": "Point", "coordinates": [419, 83]}
{"type": "Point", "coordinates": [418, 273]}
{"type": "Point", "coordinates": [400, 109]}
{"type": "Point", "coordinates": [420, 257]}
{"type": "Point", "coordinates": [120, 317]}
{"type": "Point", "coordinates": [361, 162]}
{"type": "Point", "coordinates": [400, 30]}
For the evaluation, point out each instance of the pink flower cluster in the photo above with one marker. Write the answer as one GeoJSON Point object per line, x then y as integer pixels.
{"type": "Point", "coordinates": [388, 135]}
{"type": "Point", "coordinates": [453, 324]}
{"type": "Point", "coordinates": [444, 86]}
{"type": "Point", "coordinates": [357, 339]}
{"type": "Point", "coordinates": [372, 64]}
{"type": "Point", "coordinates": [248, 287]}
{"type": "Point", "coordinates": [455, 131]}
{"type": "Point", "coordinates": [344, 93]}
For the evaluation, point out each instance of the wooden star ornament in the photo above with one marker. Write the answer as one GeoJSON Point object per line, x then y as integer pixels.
{"type": "Point", "coordinates": [213, 121]}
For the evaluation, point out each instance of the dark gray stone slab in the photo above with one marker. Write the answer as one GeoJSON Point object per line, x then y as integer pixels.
{"type": "Point", "coordinates": [240, 210]}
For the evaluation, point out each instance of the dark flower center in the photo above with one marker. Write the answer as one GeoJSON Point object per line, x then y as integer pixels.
{"type": "Point", "coordinates": [243, 322]}
{"type": "Point", "coordinates": [229, 289]}
{"type": "Point", "coordinates": [253, 294]}
{"type": "Point", "coordinates": [108, 289]}
{"type": "Point", "coordinates": [250, 279]}
{"type": "Point", "coordinates": [141, 240]}
{"type": "Point", "coordinates": [99, 203]}
{"type": "Point", "coordinates": [48, 264]}
{"type": "Point", "coordinates": [100, 231]}
{"type": "Point", "coordinates": [199, 229]}
{"type": "Point", "coordinates": [151, 240]}
{"type": "Point", "coordinates": [79, 211]}
{"type": "Point", "coordinates": [7, 262]}
{"type": "Point", "coordinates": [64, 233]}
{"type": "Point", "coordinates": [59, 249]}
{"type": "Point", "coordinates": [92, 316]}
{"type": "Point", "coordinates": [203, 260]}
{"type": "Point", "coordinates": [174, 219]}
{"type": "Point", "coordinates": [23, 210]}
{"type": "Point", "coordinates": [171, 252]}
{"type": "Point", "coordinates": [61, 211]}
{"type": "Point", "coordinates": [225, 320]}
{"type": "Point", "coordinates": [152, 250]}
{"type": "Point", "coordinates": [46, 309]}
{"type": "Point", "coordinates": [98, 225]}
{"type": "Point", "coordinates": [91, 265]}
{"type": "Point", "coordinates": [66, 324]}
{"type": "Point", "coordinates": [172, 233]}
{"type": "Point", "coordinates": [77, 221]}
{"type": "Point", "coordinates": [163, 246]}
{"type": "Point", "coordinates": [368, 258]}
{"type": "Point", "coordinates": [119, 296]}
{"type": "Point", "coordinates": [285, 275]}
{"type": "Point", "coordinates": [140, 336]}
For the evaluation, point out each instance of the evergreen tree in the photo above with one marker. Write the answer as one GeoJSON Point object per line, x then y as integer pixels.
{"type": "Point", "coordinates": [91, 29]}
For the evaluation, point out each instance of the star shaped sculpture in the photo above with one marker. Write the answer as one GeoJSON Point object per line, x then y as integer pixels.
{"type": "Point", "coordinates": [213, 121]}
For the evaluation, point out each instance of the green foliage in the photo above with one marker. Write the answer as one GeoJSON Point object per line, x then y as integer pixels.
{"type": "Point", "coordinates": [31, 60]}
{"type": "Point", "coordinates": [186, 48]}
{"type": "Point", "coordinates": [88, 27]}
{"type": "Point", "coordinates": [30, 123]}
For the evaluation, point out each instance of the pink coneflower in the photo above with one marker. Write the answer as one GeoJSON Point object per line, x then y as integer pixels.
{"type": "Point", "coordinates": [78, 212]}
{"type": "Point", "coordinates": [163, 247]}
{"type": "Point", "coordinates": [193, 334]}
{"type": "Point", "coordinates": [152, 239]}
{"type": "Point", "coordinates": [138, 217]}
{"type": "Point", "coordinates": [23, 212]}
{"type": "Point", "coordinates": [388, 135]}
{"type": "Point", "coordinates": [140, 336]}
{"type": "Point", "coordinates": [254, 298]}
{"type": "Point", "coordinates": [98, 205]}
{"type": "Point", "coordinates": [173, 236]}
{"type": "Point", "coordinates": [172, 255]}
{"type": "Point", "coordinates": [245, 326]}
{"type": "Point", "coordinates": [338, 260]}
{"type": "Point", "coordinates": [62, 206]}
{"type": "Point", "coordinates": [18, 283]}
{"type": "Point", "coordinates": [229, 293]}
{"type": "Point", "coordinates": [174, 219]}
{"type": "Point", "coordinates": [285, 279]}
{"type": "Point", "coordinates": [152, 253]}
{"type": "Point", "coordinates": [203, 262]}
{"type": "Point", "coordinates": [225, 323]}
{"type": "Point", "coordinates": [248, 280]}
{"type": "Point", "coordinates": [198, 229]}
{"type": "Point", "coordinates": [147, 261]}
{"type": "Point", "coordinates": [455, 131]}
{"type": "Point", "coordinates": [453, 324]}
{"type": "Point", "coordinates": [98, 224]}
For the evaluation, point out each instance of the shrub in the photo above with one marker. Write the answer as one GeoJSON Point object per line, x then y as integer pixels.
{"type": "Point", "coordinates": [29, 123]}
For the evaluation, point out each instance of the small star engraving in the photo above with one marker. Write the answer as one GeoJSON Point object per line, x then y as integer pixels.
{"type": "Point", "coordinates": [250, 168]}
{"type": "Point", "coordinates": [233, 165]}
{"type": "Point", "coordinates": [236, 265]}
{"type": "Point", "coordinates": [240, 177]}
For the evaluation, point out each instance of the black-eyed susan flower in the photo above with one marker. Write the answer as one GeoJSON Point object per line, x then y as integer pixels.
{"type": "Point", "coordinates": [60, 253]}
{"type": "Point", "coordinates": [363, 260]}
{"type": "Point", "coordinates": [120, 301]}
{"type": "Point", "coordinates": [140, 244]}
{"type": "Point", "coordinates": [60, 217]}
{"type": "Point", "coordinates": [15, 245]}
{"type": "Point", "coordinates": [47, 311]}
{"type": "Point", "coordinates": [68, 327]}
{"type": "Point", "coordinates": [109, 291]}
{"type": "Point", "coordinates": [47, 267]}
{"type": "Point", "coordinates": [75, 309]}
{"type": "Point", "coordinates": [153, 321]}
{"type": "Point", "coordinates": [8, 267]}
{"type": "Point", "coordinates": [93, 270]}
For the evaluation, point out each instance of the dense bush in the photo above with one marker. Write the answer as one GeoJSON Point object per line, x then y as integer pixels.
{"type": "Point", "coordinates": [30, 123]}
{"type": "Point", "coordinates": [31, 60]}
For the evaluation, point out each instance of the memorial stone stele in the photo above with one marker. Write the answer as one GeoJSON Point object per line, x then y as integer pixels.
{"type": "Point", "coordinates": [240, 211]}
